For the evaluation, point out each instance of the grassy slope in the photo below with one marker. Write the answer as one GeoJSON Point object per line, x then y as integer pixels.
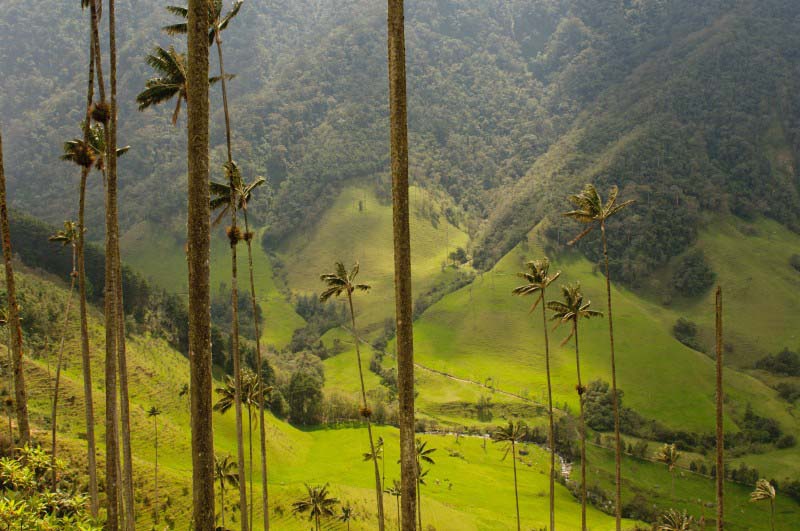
{"type": "Point", "coordinates": [156, 375]}
{"type": "Point", "coordinates": [158, 255]}
{"type": "Point", "coordinates": [480, 331]}
{"type": "Point", "coordinates": [346, 234]}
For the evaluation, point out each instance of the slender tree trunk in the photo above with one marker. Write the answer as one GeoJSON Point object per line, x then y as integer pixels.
{"type": "Point", "coordinates": [59, 361]}
{"type": "Point", "coordinates": [398, 119]}
{"type": "Point", "coordinates": [155, 426]}
{"type": "Point", "coordinates": [366, 415]}
{"type": "Point", "coordinates": [260, 381]}
{"type": "Point", "coordinates": [86, 364]}
{"type": "Point", "coordinates": [199, 243]}
{"type": "Point", "coordinates": [516, 491]}
{"type": "Point", "coordinates": [114, 254]}
{"type": "Point", "coordinates": [615, 398]}
{"type": "Point", "coordinates": [772, 513]}
{"type": "Point", "coordinates": [397, 498]}
{"type": "Point", "coordinates": [218, 40]}
{"type": "Point", "coordinates": [10, 381]}
{"type": "Point", "coordinates": [222, 501]}
{"type": "Point", "coordinates": [250, 463]}
{"type": "Point", "coordinates": [237, 370]}
{"type": "Point", "coordinates": [551, 429]}
{"type": "Point", "coordinates": [112, 426]}
{"type": "Point", "coordinates": [582, 422]}
{"type": "Point", "coordinates": [419, 504]}
{"type": "Point", "coordinates": [720, 429]}
{"type": "Point", "coordinates": [20, 395]}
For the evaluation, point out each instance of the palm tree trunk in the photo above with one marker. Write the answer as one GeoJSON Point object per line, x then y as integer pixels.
{"type": "Point", "coordinates": [419, 505]}
{"type": "Point", "coordinates": [772, 513]}
{"type": "Point", "coordinates": [260, 379]}
{"type": "Point", "coordinates": [155, 426]}
{"type": "Point", "coordinates": [582, 422]}
{"type": "Point", "coordinates": [366, 415]}
{"type": "Point", "coordinates": [551, 429]}
{"type": "Point", "coordinates": [112, 426]}
{"type": "Point", "coordinates": [20, 395]}
{"type": "Point", "coordinates": [218, 40]}
{"type": "Point", "coordinates": [398, 119]}
{"type": "Point", "coordinates": [720, 431]}
{"type": "Point", "coordinates": [237, 367]}
{"type": "Point", "coordinates": [10, 382]}
{"type": "Point", "coordinates": [59, 361]}
{"type": "Point", "coordinates": [614, 397]}
{"type": "Point", "coordinates": [199, 243]}
{"type": "Point", "coordinates": [397, 498]}
{"type": "Point", "coordinates": [91, 451]}
{"type": "Point", "coordinates": [222, 501]}
{"type": "Point", "coordinates": [516, 491]}
{"type": "Point", "coordinates": [250, 463]}
{"type": "Point", "coordinates": [111, 187]}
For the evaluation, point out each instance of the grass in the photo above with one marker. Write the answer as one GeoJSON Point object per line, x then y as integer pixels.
{"type": "Point", "coordinates": [347, 234]}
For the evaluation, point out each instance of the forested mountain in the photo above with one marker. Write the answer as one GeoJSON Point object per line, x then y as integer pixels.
{"type": "Point", "coordinates": [688, 106]}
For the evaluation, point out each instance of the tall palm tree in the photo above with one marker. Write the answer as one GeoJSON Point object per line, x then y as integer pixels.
{"type": "Point", "coordinates": [720, 479]}
{"type": "Point", "coordinates": [422, 454]}
{"type": "Point", "coordinates": [342, 282]}
{"type": "Point", "coordinates": [113, 253]}
{"type": "Point", "coordinates": [67, 236]}
{"type": "Point", "coordinates": [317, 503]}
{"type": "Point", "coordinates": [221, 200]}
{"type": "Point", "coordinates": [669, 455]}
{"type": "Point", "coordinates": [401, 232]}
{"type": "Point", "coordinates": [153, 413]}
{"type": "Point", "coordinates": [9, 403]}
{"type": "Point", "coordinates": [171, 69]}
{"type": "Point", "coordinates": [20, 394]}
{"type": "Point", "coordinates": [593, 212]}
{"type": "Point", "coordinates": [91, 150]}
{"type": "Point", "coordinates": [765, 491]}
{"type": "Point", "coordinates": [199, 244]}
{"type": "Point", "coordinates": [538, 278]}
{"type": "Point", "coordinates": [571, 309]}
{"type": "Point", "coordinates": [217, 23]}
{"type": "Point", "coordinates": [346, 515]}
{"type": "Point", "coordinates": [395, 490]}
{"type": "Point", "coordinates": [511, 435]}
{"type": "Point", "coordinates": [225, 472]}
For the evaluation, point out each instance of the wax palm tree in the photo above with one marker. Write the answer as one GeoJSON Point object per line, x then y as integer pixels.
{"type": "Point", "coordinates": [20, 394]}
{"type": "Point", "coordinates": [68, 236]}
{"type": "Point", "coordinates": [571, 309]}
{"type": "Point", "coordinates": [94, 505]}
{"type": "Point", "coordinates": [198, 244]}
{"type": "Point", "coordinates": [317, 503]}
{"type": "Point", "coordinates": [113, 255]}
{"type": "Point", "coordinates": [720, 435]}
{"type": "Point", "coordinates": [764, 491]}
{"type": "Point", "coordinates": [170, 80]}
{"type": "Point", "coordinates": [674, 520]}
{"type": "Point", "coordinates": [343, 282]}
{"type": "Point", "coordinates": [217, 23]}
{"type": "Point", "coordinates": [9, 403]}
{"type": "Point", "coordinates": [221, 200]}
{"type": "Point", "coordinates": [538, 278]}
{"type": "Point", "coordinates": [593, 212]}
{"type": "Point", "coordinates": [511, 435]}
{"type": "Point", "coordinates": [401, 236]}
{"type": "Point", "coordinates": [669, 455]}
{"type": "Point", "coordinates": [153, 413]}
{"type": "Point", "coordinates": [225, 472]}
{"type": "Point", "coordinates": [91, 151]}
{"type": "Point", "coordinates": [422, 454]}
{"type": "Point", "coordinates": [395, 490]}
{"type": "Point", "coordinates": [346, 515]}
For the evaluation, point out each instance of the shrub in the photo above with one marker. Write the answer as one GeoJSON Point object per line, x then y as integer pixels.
{"type": "Point", "coordinates": [784, 363]}
{"type": "Point", "coordinates": [794, 261]}
{"type": "Point", "coordinates": [693, 274]}
{"type": "Point", "coordinates": [685, 331]}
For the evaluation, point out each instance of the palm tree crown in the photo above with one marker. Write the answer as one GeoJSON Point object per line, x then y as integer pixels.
{"type": "Point", "coordinates": [538, 278]}
{"type": "Point", "coordinates": [317, 503]}
{"type": "Point", "coordinates": [67, 236]}
{"type": "Point", "coordinates": [591, 209]}
{"type": "Point", "coordinates": [92, 153]}
{"type": "Point", "coordinates": [512, 433]}
{"type": "Point", "coordinates": [572, 309]}
{"type": "Point", "coordinates": [221, 192]}
{"type": "Point", "coordinates": [341, 282]}
{"type": "Point", "coordinates": [216, 21]}
{"type": "Point", "coordinates": [668, 454]}
{"type": "Point", "coordinates": [225, 471]}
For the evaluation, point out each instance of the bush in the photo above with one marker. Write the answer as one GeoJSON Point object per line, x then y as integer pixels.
{"type": "Point", "coordinates": [784, 363]}
{"type": "Point", "coordinates": [794, 261]}
{"type": "Point", "coordinates": [693, 274]}
{"type": "Point", "coordinates": [685, 331]}
{"type": "Point", "coordinates": [788, 391]}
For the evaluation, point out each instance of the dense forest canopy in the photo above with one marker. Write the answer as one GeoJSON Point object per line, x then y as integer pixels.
{"type": "Point", "coordinates": [689, 107]}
